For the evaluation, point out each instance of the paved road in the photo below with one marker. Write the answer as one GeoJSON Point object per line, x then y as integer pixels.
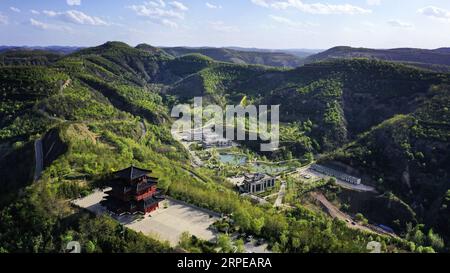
{"type": "Point", "coordinates": [252, 246]}
{"type": "Point", "coordinates": [195, 160]}
{"type": "Point", "coordinates": [281, 194]}
{"type": "Point", "coordinates": [143, 129]}
{"type": "Point", "coordinates": [334, 212]}
{"type": "Point", "coordinates": [194, 174]}
{"type": "Point", "coordinates": [39, 159]}
{"type": "Point", "coordinates": [256, 198]}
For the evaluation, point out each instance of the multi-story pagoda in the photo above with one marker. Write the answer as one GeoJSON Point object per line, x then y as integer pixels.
{"type": "Point", "coordinates": [133, 191]}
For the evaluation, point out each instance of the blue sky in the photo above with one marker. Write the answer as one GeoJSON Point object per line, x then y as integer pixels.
{"type": "Point", "coordinates": [247, 23]}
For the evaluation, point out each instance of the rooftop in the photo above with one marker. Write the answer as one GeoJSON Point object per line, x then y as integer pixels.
{"type": "Point", "coordinates": [255, 177]}
{"type": "Point", "coordinates": [132, 173]}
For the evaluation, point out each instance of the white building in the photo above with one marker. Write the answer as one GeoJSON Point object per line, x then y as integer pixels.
{"type": "Point", "coordinates": [256, 183]}
{"type": "Point", "coordinates": [211, 140]}
{"type": "Point", "coordinates": [337, 174]}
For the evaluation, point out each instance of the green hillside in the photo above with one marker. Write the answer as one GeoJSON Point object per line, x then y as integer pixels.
{"type": "Point", "coordinates": [408, 155]}
{"type": "Point", "coordinates": [103, 108]}
{"type": "Point", "coordinates": [276, 59]}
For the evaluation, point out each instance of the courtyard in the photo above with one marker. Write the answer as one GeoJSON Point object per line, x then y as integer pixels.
{"type": "Point", "coordinates": [166, 223]}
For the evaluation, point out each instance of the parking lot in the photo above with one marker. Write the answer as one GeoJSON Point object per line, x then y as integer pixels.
{"type": "Point", "coordinates": [165, 224]}
{"type": "Point", "coordinates": [313, 175]}
{"type": "Point", "coordinates": [169, 223]}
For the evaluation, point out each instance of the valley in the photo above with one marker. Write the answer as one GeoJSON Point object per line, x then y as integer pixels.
{"type": "Point", "coordinates": [72, 121]}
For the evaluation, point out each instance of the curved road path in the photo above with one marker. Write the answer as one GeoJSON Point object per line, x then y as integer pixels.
{"type": "Point", "coordinates": [143, 130]}
{"type": "Point", "coordinates": [281, 194]}
{"type": "Point", "coordinates": [39, 159]}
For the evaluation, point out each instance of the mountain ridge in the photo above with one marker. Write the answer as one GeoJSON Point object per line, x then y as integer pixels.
{"type": "Point", "coordinates": [413, 56]}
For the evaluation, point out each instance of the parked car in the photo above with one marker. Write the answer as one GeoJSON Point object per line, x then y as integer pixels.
{"type": "Point", "coordinates": [260, 242]}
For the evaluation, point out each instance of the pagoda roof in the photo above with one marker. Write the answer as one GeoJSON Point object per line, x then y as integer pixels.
{"type": "Point", "coordinates": [132, 173]}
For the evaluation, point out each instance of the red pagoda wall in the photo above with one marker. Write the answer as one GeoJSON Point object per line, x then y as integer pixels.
{"type": "Point", "coordinates": [150, 192]}
{"type": "Point", "coordinates": [152, 208]}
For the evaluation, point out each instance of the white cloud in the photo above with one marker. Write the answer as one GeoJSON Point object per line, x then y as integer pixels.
{"type": "Point", "coordinates": [262, 3]}
{"type": "Point", "coordinates": [159, 12]}
{"type": "Point", "coordinates": [14, 9]}
{"type": "Point", "coordinates": [38, 24]}
{"type": "Point", "coordinates": [73, 2]}
{"type": "Point", "coordinates": [400, 24]}
{"type": "Point", "coordinates": [157, 3]}
{"type": "Point", "coordinates": [315, 8]}
{"type": "Point", "coordinates": [41, 25]}
{"type": "Point", "coordinates": [373, 2]}
{"type": "Point", "coordinates": [368, 24]}
{"type": "Point", "coordinates": [222, 27]}
{"type": "Point", "coordinates": [35, 12]}
{"type": "Point", "coordinates": [168, 23]}
{"type": "Point", "coordinates": [3, 19]}
{"type": "Point", "coordinates": [435, 12]}
{"type": "Point", "coordinates": [76, 17]}
{"type": "Point", "coordinates": [178, 5]}
{"type": "Point", "coordinates": [147, 11]}
{"type": "Point", "coordinates": [212, 6]}
{"type": "Point", "coordinates": [288, 22]}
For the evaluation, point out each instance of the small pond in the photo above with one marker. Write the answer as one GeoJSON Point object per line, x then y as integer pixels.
{"type": "Point", "coordinates": [233, 159]}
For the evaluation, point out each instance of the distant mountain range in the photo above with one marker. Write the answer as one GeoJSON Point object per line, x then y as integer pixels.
{"type": "Point", "coordinates": [237, 55]}
{"type": "Point", "coordinates": [302, 52]}
{"type": "Point", "coordinates": [436, 59]}
{"type": "Point", "coordinates": [54, 49]}
{"type": "Point", "coordinates": [243, 56]}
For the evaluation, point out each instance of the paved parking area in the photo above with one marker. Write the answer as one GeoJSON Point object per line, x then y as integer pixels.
{"type": "Point", "coordinates": [169, 223]}
{"type": "Point", "coordinates": [316, 176]}
{"type": "Point", "coordinates": [166, 224]}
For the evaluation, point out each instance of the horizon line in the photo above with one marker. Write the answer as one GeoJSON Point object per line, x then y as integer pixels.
{"type": "Point", "coordinates": [225, 47]}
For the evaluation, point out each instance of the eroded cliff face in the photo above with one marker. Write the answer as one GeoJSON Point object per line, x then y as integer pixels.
{"type": "Point", "coordinates": [53, 146]}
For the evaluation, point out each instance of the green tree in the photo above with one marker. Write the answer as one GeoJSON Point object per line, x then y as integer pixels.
{"type": "Point", "coordinates": [435, 241]}
{"type": "Point", "coordinates": [225, 244]}
{"type": "Point", "coordinates": [185, 240]}
{"type": "Point", "coordinates": [90, 247]}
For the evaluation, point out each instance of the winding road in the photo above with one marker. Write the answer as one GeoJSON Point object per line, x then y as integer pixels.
{"type": "Point", "coordinates": [39, 159]}
{"type": "Point", "coordinates": [335, 212]}
{"type": "Point", "coordinates": [281, 194]}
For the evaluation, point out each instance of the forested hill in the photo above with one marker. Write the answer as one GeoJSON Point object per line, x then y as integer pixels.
{"type": "Point", "coordinates": [277, 59]}
{"type": "Point", "coordinates": [53, 49]}
{"type": "Point", "coordinates": [437, 59]}
{"type": "Point", "coordinates": [101, 108]}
